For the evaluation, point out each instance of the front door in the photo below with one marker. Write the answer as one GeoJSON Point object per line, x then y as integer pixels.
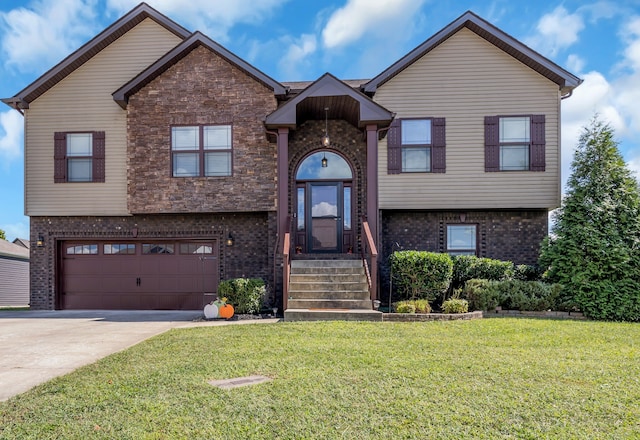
{"type": "Point", "coordinates": [325, 217]}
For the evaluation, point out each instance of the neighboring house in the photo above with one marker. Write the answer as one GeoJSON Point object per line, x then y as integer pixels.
{"type": "Point", "coordinates": [14, 273]}
{"type": "Point", "coordinates": [158, 162]}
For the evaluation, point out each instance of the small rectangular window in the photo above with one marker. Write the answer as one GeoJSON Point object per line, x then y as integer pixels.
{"type": "Point", "coordinates": [301, 208]}
{"type": "Point", "coordinates": [346, 200]}
{"type": "Point", "coordinates": [461, 240]}
{"type": "Point", "coordinates": [196, 248]}
{"type": "Point", "coordinates": [79, 157]}
{"type": "Point", "coordinates": [119, 249]}
{"type": "Point", "coordinates": [157, 248]}
{"type": "Point", "coordinates": [82, 249]}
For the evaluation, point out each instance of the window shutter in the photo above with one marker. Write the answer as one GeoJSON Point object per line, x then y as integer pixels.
{"type": "Point", "coordinates": [394, 148]}
{"type": "Point", "coordinates": [98, 156]}
{"type": "Point", "coordinates": [537, 152]}
{"type": "Point", "coordinates": [491, 144]}
{"type": "Point", "coordinates": [438, 151]}
{"type": "Point", "coordinates": [59, 157]}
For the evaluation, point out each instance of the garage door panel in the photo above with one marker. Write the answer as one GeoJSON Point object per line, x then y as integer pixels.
{"type": "Point", "coordinates": [139, 281]}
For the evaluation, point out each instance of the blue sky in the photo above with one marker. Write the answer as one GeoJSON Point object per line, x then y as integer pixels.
{"type": "Point", "coordinates": [354, 39]}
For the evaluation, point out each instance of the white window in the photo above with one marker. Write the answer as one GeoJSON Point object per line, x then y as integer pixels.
{"type": "Point", "coordinates": [461, 240]}
{"type": "Point", "coordinates": [515, 138]}
{"type": "Point", "coordinates": [79, 157]}
{"type": "Point", "coordinates": [416, 145]}
{"type": "Point", "coordinates": [201, 151]}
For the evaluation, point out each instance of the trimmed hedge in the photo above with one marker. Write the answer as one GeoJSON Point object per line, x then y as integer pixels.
{"type": "Point", "coordinates": [514, 295]}
{"type": "Point", "coordinates": [468, 267]}
{"type": "Point", "coordinates": [418, 306]}
{"type": "Point", "coordinates": [420, 274]}
{"type": "Point", "coordinates": [455, 305]}
{"type": "Point", "coordinates": [244, 294]}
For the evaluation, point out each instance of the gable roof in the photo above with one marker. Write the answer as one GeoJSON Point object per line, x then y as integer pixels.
{"type": "Point", "coordinates": [121, 96]}
{"type": "Point", "coordinates": [13, 251]}
{"type": "Point", "coordinates": [363, 110]}
{"type": "Point", "coordinates": [91, 48]}
{"type": "Point", "coordinates": [565, 80]}
{"type": "Point", "coordinates": [22, 242]}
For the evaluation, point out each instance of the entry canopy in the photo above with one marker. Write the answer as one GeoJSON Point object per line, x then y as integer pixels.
{"type": "Point", "coordinates": [342, 101]}
{"type": "Point", "coordinates": [311, 168]}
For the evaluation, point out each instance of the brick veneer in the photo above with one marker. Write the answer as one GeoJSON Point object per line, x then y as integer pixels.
{"type": "Point", "coordinates": [503, 235]}
{"type": "Point", "coordinates": [250, 256]}
{"type": "Point", "coordinates": [346, 140]}
{"type": "Point", "coordinates": [202, 88]}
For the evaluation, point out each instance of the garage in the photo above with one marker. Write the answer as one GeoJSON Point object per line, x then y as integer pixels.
{"type": "Point", "coordinates": [138, 275]}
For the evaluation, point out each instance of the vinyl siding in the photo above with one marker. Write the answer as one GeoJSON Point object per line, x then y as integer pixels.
{"type": "Point", "coordinates": [14, 281]}
{"type": "Point", "coordinates": [463, 80]}
{"type": "Point", "coordinates": [83, 102]}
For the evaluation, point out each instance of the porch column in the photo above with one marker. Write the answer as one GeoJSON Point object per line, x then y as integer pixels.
{"type": "Point", "coordinates": [372, 180]}
{"type": "Point", "coordinates": [283, 182]}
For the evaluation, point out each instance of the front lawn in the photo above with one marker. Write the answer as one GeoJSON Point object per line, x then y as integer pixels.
{"type": "Point", "coordinates": [491, 378]}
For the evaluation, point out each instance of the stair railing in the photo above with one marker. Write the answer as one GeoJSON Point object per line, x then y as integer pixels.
{"type": "Point", "coordinates": [370, 259]}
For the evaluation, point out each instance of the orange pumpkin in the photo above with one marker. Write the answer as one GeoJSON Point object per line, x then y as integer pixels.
{"type": "Point", "coordinates": [226, 311]}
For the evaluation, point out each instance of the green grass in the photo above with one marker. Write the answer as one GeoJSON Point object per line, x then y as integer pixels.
{"type": "Point", "coordinates": [13, 309]}
{"type": "Point", "coordinates": [485, 379]}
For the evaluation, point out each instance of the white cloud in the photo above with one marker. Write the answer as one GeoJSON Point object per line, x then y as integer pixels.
{"type": "Point", "coordinates": [556, 31]}
{"type": "Point", "coordinates": [11, 128]}
{"type": "Point", "coordinates": [634, 166]}
{"type": "Point", "coordinates": [295, 59]}
{"type": "Point", "coordinates": [41, 35]}
{"type": "Point", "coordinates": [360, 17]}
{"type": "Point", "coordinates": [575, 63]}
{"type": "Point", "coordinates": [213, 18]}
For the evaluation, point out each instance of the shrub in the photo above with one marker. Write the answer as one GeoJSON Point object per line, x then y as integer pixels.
{"type": "Point", "coordinates": [526, 295]}
{"type": "Point", "coordinates": [527, 272]}
{"type": "Point", "coordinates": [455, 305]}
{"type": "Point", "coordinates": [245, 294]}
{"type": "Point", "coordinates": [468, 267]}
{"type": "Point", "coordinates": [417, 306]}
{"type": "Point", "coordinates": [421, 275]}
{"type": "Point", "coordinates": [405, 307]}
{"type": "Point", "coordinates": [480, 296]}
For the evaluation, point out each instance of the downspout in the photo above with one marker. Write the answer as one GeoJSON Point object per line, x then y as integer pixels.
{"type": "Point", "coordinates": [567, 95]}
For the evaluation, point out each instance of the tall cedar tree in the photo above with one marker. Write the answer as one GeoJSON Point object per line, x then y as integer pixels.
{"type": "Point", "coordinates": [594, 247]}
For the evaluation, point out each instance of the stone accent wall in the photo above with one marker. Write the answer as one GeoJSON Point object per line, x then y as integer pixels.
{"type": "Point", "coordinates": [347, 140]}
{"type": "Point", "coordinates": [250, 256]}
{"type": "Point", "coordinates": [200, 89]}
{"type": "Point", "coordinates": [504, 235]}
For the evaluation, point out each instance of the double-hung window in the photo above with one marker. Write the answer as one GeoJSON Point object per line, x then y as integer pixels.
{"type": "Point", "coordinates": [79, 156]}
{"type": "Point", "coordinates": [201, 151]}
{"type": "Point", "coordinates": [462, 240]}
{"type": "Point", "coordinates": [515, 143]}
{"type": "Point", "coordinates": [416, 145]}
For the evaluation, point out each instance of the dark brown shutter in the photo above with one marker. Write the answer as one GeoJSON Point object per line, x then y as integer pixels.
{"type": "Point", "coordinates": [537, 158]}
{"type": "Point", "coordinates": [59, 157]}
{"type": "Point", "coordinates": [98, 156]}
{"type": "Point", "coordinates": [438, 151]}
{"type": "Point", "coordinates": [491, 144]}
{"type": "Point", "coordinates": [394, 148]}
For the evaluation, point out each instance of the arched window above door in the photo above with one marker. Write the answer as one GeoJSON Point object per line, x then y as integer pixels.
{"type": "Point", "coordinates": [311, 168]}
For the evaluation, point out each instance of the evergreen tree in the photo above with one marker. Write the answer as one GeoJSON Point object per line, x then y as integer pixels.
{"type": "Point", "coordinates": [594, 246]}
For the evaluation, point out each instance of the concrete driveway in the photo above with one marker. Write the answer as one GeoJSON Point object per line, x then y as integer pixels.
{"type": "Point", "coordinates": [36, 346]}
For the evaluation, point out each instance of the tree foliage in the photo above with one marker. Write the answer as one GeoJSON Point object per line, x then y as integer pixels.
{"type": "Point", "coordinates": [594, 247]}
{"type": "Point", "coordinates": [2, 235]}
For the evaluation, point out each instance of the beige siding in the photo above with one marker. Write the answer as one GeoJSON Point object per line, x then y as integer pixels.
{"type": "Point", "coordinates": [14, 281]}
{"type": "Point", "coordinates": [83, 102]}
{"type": "Point", "coordinates": [463, 80]}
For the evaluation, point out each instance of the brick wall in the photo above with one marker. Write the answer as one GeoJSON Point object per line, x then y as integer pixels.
{"type": "Point", "coordinates": [503, 235]}
{"type": "Point", "coordinates": [202, 88]}
{"type": "Point", "coordinates": [346, 140]}
{"type": "Point", "coordinates": [250, 256]}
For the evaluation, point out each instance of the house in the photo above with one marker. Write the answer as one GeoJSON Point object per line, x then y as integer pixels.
{"type": "Point", "coordinates": [14, 273]}
{"type": "Point", "coordinates": [158, 163]}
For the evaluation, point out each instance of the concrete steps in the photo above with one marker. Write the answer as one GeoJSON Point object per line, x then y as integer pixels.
{"type": "Point", "coordinates": [329, 290]}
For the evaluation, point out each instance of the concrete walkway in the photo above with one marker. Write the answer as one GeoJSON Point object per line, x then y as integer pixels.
{"type": "Point", "coordinates": [36, 346]}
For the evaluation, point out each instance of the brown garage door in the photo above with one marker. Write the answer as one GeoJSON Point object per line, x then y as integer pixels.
{"type": "Point", "coordinates": [142, 275]}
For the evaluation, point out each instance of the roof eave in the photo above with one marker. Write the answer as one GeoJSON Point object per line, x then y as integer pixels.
{"type": "Point", "coordinates": [489, 32]}
{"type": "Point", "coordinates": [121, 96]}
{"type": "Point", "coordinates": [94, 46]}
